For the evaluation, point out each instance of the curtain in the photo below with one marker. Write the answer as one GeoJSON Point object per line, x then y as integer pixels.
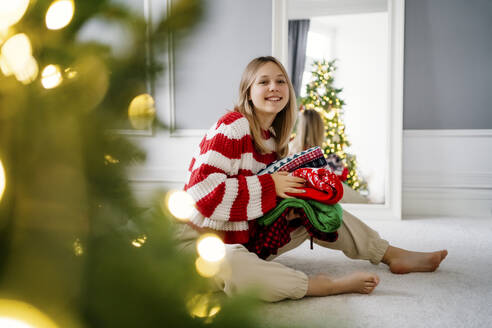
{"type": "Point", "coordinates": [298, 31]}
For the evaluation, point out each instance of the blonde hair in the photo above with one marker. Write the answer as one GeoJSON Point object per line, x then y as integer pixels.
{"type": "Point", "coordinates": [284, 121]}
{"type": "Point", "coordinates": [310, 131]}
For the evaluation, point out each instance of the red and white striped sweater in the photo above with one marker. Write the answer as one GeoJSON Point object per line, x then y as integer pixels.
{"type": "Point", "coordinates": [223, 181]}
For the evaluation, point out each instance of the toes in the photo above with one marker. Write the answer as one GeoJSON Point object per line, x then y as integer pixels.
{"type": "Point", "coordinates": [435, 261]}
{"type": "Point", "coordinates": [374, 279]}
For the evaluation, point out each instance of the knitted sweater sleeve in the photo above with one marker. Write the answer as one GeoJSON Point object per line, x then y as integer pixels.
{"type": "Point", "coordinates": [222, 180]}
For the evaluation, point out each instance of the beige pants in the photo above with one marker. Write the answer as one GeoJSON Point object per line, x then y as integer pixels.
{"type": "Point", "coordinates": [242, 270]}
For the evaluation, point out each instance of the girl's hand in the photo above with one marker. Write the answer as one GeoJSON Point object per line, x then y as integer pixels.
{"type": "Point", "coordinates": [286, 183]}
{"type": "Point", "coordinates": [292, 214]}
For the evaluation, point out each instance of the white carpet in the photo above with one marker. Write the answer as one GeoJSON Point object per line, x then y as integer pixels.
{"type": "Point", "coordinates": [458, 294]}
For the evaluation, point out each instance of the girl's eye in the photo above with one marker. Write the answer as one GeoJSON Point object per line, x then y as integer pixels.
{"type": "Point", "coordinates": [262, 82]}
{"type": "Point", "coordinates": [281, 81]}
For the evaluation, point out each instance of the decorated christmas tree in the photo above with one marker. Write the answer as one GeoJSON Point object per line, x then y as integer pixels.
{"type": "Point", "coordinates": [322, 96]}
{"type": "Point", "coordinates": [76, 249]}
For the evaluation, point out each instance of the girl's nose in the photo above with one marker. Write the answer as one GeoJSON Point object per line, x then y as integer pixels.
{"type": "Point", "coordinates": [273, 86]}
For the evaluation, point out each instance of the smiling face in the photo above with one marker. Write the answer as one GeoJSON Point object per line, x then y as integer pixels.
{"type": "Point", "coordinates": [269, 92]}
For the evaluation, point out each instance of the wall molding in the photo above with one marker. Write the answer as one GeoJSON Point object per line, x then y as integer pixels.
{"type": "Point", "coordinates": [447, 173]}
{"type": "Point", "coordinates": [302, 9]}
{"type": "Point", "coordinates": [448, 133]}
{"type": "Point", "coordinates": [148, 131]}
{"type": "Point", "coordinates": [280, 31]}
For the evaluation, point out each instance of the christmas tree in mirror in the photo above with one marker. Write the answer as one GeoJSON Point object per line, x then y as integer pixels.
{"type": "Point", "coordinates": [76, 250]}
{"type": "Point", "coordinates": [324, 97]}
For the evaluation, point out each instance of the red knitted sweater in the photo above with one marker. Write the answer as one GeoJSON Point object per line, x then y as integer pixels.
{"type": "Point", "coordinates": [223, 181]}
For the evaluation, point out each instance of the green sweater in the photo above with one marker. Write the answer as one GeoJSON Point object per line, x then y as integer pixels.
{"type": "Point", "coordinates": [324, 217]}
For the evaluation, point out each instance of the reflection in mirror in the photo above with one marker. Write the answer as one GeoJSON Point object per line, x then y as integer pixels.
{"type": "Point", "coordinates": [358, 41]}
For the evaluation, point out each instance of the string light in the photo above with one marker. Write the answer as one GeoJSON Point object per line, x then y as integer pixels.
{"type": "Point", "coordinates": [29, 73]}
{"type": "Point", "coordinates": [210, 248]}
{"type": "Point", "coordinates": [108, 159]}
{"type": "Point", "coordinates": [16, 58]}
{"type": "Point", "coordinates": [16, 314]}
{"type": "Point", "coordinates": [11, 12]}
{"type": "Point", "coordinates": [70, 73]}
{"type": "Point", "coordinates": [4, 67]}
{"type": "Point", "coordinates": [180, 204]}
{"type": "Point", "coordinates": [51, 76]}
{"type": "Point", "coordinates": [205, 268]}
{"type": "Point", "coordinates": [2, 180]}
{"type": "Point", "coordinates": [59, 14]}
{"type": "Point", "coordinates": [139, 241]}
{"type": "Point", "coordinates": [203, 306]}
{"type": "Point", "coordinates": [13, 323]}
{"type": "Point", "coordinates": [78, 250]}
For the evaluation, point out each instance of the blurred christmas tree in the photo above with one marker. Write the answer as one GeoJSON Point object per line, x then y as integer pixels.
{"type": "Point", "coordinates": [73, 242]}
{"type": "Point", "coordinates": [323, 97]}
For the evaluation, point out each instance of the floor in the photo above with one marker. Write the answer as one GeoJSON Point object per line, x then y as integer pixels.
{"type": "Point", "coordinates": [459, 294]}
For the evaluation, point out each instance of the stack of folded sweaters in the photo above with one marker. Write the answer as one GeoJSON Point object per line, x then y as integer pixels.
{"type": "Point", "coordinates": [317, 210]}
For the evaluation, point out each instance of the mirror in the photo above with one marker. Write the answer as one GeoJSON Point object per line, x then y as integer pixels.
{"type": "Point", "coordinates": [366, 40]}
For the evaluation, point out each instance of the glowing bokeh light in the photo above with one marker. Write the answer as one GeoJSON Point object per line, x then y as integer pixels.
{"type": "Point", "coordinates": [108, 159]}
{"type": "Point", "coordinates": [141, 111]}
{"type": "Point", "coordinates": [180, 204]}
{"type": "Point", "coordinates": [29, 73]}
{"type": "Point", "coordinates": [51, 76]}
{"type": "Point", "coordinates": [210, 248]}
{"type": "Point", "coordinates": [59, 14]}
{"type": "Point", "coordinates": [16, 53]}
{"type": "Point", "coordinates": [139, 241]}
{"type": "Point", "coordinates": [16, 314]}
{"type": "Point", "coordinates": [202, 306]}
{"type": "Point", "coordinates": [4, 66]}
{"type": "Point", "coordinates": [13, 323]}
{"type": "Point", "coordinates": [2, 180]}
{"type": "Point", "coordinates": [78, 249]}
{"type": "Point", "coordinates": [11, 12]}
{"type": "Point", "coordinates": [205, 268]}
{"type": "Point", "coordinates": [71, 73]}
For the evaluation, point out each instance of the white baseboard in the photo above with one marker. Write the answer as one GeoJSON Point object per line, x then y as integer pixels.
{"type": "Point", "coordinates": [447, 173]}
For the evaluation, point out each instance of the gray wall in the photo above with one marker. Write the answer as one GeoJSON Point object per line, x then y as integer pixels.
{"type": "Point", "coordinates": [209, 64]}
{"type": "Point", "coordinates": [448, 64]}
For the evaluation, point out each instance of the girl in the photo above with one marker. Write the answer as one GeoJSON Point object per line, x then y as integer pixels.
{"type": "Point", "coordinates": [311, 133]}
{"type": "Point", "coordinates": [229, 194]}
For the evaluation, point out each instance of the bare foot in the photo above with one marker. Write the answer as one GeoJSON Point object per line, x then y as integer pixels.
{"type": "Point", "coordinates": [403, 261]}
{"type": "Point", "coordinates": [358, 282]}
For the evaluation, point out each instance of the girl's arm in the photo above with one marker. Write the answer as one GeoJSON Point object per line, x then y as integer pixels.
{"type": "Point", "coordinates": [222, 181]}
{"type": "Point", "coordinates": [240, 198]}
